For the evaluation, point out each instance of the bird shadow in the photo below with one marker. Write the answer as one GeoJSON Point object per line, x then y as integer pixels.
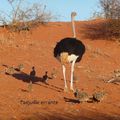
{"type": "Point", "coordinates": [24, 90]}
{"type": "Point", "coordinates": [41, 81]}
{"type": "Point", "coordinates": [26, 78]}
{"type": "Point", "coordinates": [4, 65]}
{"type": "Point", "coordinates": [52, 87]}
{"type": "Point", "coordinates": [69, 100]}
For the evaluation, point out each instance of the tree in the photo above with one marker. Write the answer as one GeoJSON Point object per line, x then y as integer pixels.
{"type": "Point", "coordinates": [110, 8]}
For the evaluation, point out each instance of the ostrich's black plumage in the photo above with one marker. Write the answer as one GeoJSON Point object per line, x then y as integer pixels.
{"type": "Point", "coordinates": [71, 46]}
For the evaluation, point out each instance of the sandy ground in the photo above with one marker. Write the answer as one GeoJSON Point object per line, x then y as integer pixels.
{"type": "Point", "coordinates": [48, 101]}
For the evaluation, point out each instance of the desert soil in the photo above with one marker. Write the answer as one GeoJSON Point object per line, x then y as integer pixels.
{"type": "Point", "coordinates": [49, 101]}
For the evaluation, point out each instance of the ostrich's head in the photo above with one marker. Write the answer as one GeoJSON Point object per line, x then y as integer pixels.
{"type": "Point", "coordinates": [73, 14]}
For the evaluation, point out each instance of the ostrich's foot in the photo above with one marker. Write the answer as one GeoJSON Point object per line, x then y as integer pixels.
{"type": "Point", "coordinates": [72, 89]}
{"type": "Point", "coordinates": [66, 89]}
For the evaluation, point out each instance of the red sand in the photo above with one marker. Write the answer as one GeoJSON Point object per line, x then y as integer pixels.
{"type": "Point", "coordinates": [35, 48]}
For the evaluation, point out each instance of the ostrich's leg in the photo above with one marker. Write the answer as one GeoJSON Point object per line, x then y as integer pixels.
{"type": "Point", "coordinates": [64, 75]}
{"type": "Point", "coordinates": [72, 73]}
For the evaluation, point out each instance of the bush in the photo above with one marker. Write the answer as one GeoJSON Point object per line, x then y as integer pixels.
{"type": "Point", "coordinates": [110, 8]}
{"type": "Point", "coordinates": [24, 18]}
{"type": "Point", "coordinates": [110, 11]}
{"type": "Point", "coordinates": [113, 27]}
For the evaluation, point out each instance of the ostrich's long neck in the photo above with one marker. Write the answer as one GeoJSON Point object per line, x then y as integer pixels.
{"type": "Point", "coordinates": [73, 26]}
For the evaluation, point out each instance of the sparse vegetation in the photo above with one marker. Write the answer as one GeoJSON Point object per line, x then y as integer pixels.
{"type": "Point", "coordinates": [24, 18]}
{"type": "Point", "coordinates": [110, 8]}
{"type": "Point", "coordinates": [114, 28]}
{"type": "Point", "coordinates": [115, 77]}
{"type": "Point", "coordinates": [110, 11]}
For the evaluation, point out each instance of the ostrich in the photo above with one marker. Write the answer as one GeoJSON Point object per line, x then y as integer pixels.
{"type": "Point", "coordinates": [69, 50]}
